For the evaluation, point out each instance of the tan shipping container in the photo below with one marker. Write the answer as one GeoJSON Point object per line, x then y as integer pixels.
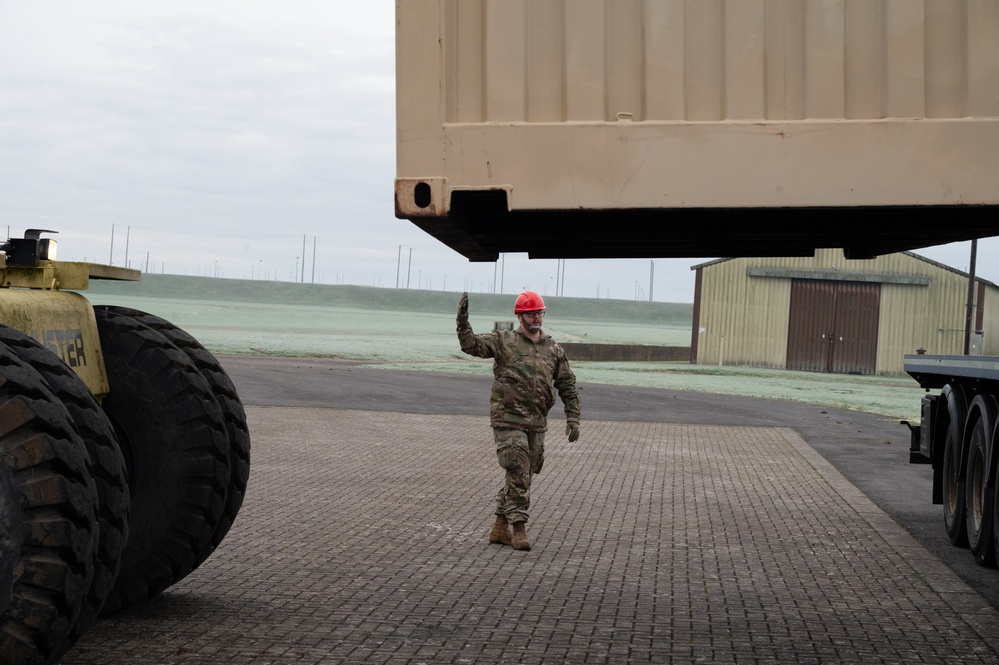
{"type": "Point", "coordinates": [642, 128]}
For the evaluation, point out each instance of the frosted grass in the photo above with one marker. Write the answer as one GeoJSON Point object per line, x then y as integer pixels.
{"type": "Point", "coordinates": [425, 341]}
{"type": "Point", "coordinates": [356, 334]}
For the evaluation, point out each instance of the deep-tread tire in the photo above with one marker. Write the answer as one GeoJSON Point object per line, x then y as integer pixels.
{"type": "Point", "coordinates": [995, 500]}
{"type": "Point", "coordinates": [233, 413]}
{"type": "Point", "coordinates": [953, 491]}
{"type": "Point", "coordinates": [107, 464]}
{"type": "Point", "coordinates": [48, 518]}
{"type": "Point", "coordinates": [979, 498]}
{"type": "Point", "coordinates": [176, 451]}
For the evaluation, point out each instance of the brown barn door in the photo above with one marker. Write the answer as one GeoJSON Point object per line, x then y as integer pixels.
{"type": "Point", "coordinates": [833, 326]}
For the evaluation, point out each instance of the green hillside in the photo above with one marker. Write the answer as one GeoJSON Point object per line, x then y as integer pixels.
{"type": "Point", "coordinates": [367, 297]}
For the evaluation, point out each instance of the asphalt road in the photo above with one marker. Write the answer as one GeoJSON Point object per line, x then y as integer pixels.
{"type": "Point", "coordinates": [870, 451]}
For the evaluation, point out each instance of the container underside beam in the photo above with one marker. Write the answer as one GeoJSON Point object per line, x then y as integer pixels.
{"type": "Point", "coordinates": [480, 228]}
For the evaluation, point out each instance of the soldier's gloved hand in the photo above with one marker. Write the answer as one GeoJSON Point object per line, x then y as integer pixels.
{"type": "Point", "coordinates": [572, 431]}
{"type": "Point", "coordinates": [463, 308]}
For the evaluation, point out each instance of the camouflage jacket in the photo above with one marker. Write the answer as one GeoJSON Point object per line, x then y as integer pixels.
{"type": "Point", "coordinates": [526, 376]}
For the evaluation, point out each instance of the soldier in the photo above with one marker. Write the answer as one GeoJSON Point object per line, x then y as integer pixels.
{"type": "Point", "coordinates": [529, 366]}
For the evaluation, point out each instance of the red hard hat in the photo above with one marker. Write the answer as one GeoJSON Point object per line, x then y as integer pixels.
{"type": "Point", "coordinates": [528, 301]}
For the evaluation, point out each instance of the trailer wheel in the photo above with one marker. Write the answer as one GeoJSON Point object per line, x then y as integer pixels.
{"type": "Point", "coordinates": [48, 517]}
{"type": "Point", "coordinates": [171, 433]}
{"type": "Point", "coordinates": [233, 413]}
{"type": "Point", "coordinates": [995, 497]}
{"type": "Point", "coordinates": [107, 464]}
{"type": "Point", "coordinates": [979, 497]}
{"type": "Point", "coordinates": [953, 490]}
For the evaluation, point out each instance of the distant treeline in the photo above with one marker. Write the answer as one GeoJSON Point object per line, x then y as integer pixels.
{"type": "Point", "coordinates": [368, 297]}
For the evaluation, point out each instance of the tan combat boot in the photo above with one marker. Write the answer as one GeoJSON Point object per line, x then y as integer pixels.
{"type": "Point", "coordinates": [500, 533]}
{"type": "Point", "coordinates": [519, 540]}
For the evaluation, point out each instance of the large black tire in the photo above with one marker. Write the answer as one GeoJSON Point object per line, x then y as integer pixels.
{"type": "Point", "coordinates": [48, 518]}
{"type": "Point", "coordinates": [979, 498]}
{"type": "Point", "coordinates": [995, 497]}
{"type": "Point", "coordinates": [954, 490]}
{"type": "Point", "coordinates": [107, 465]}
{"type": "Point", "coordinates": [171, 433]}
{"type": "Point", "coordinates": [233, 413]}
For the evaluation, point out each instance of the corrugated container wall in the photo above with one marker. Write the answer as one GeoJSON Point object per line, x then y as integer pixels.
{"type": "Point", "coordinates": [744, 307]}
{"type": "Point", "coordinates": [535, 125]}
{"type": "Point", "coordinates": [710, 60]}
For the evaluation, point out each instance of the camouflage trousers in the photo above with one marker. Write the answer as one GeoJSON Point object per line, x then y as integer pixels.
{"type": "Point", "coordinates": [521, 455]}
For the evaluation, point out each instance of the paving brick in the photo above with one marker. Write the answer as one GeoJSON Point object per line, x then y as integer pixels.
{"type": "Point", "coordinates": [362, 539]}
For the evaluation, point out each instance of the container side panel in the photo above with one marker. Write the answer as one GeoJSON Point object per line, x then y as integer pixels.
{"type": "Point", "coordinates": [865, 58]}
{"type": "Point", "coordinates": [745, 60]}
{"type": "Point", "coordinates": [625, 60]}
{"type": "Point", "coordinates": [505, 55]}
{"type": "Point", "coordinates": [419, 91]}
{"type": "Point", "coordinates": [711, 60]}
{"type": "Point", "coordinates": [905, 77]}
{"type": "Point", "coordinates": [983, 58]}
{"type": "Point", "coordinates": [465, 42]}
{"type": "Point", "coordinates": [545, 67]}
{"type": "Point", "coordinates": [665, 43]}
{"type": "Point", "coordinates": [585, 58]}
{"type": "Point", "coordinates": [704, 72]}
{"type": "Point", "coordinates": [825, 46]}
{"type": "Point", "coordinates": [946, 51]}
{"type": "Point", "coordinates": [794, 67]}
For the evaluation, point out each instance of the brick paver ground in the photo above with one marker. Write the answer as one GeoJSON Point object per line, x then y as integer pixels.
{"type": "Point", "coordinates": [363, 540]}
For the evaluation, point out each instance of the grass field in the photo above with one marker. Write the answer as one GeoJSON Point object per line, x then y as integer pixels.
{"type": "Point", "coordinates": [414, 330]}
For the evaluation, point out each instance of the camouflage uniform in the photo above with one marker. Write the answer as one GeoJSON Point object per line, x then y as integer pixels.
{"type": "Point", "coordinates": [526, 375]}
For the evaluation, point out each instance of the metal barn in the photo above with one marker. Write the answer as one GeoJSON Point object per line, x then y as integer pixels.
{"type": "Point", "coordinates": [829, 314]}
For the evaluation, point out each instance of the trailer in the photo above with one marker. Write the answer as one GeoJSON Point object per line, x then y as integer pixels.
{"type": "Point", "coordinates": [729, 128]}
{"type": "Point", "coordinates": [957, 434]}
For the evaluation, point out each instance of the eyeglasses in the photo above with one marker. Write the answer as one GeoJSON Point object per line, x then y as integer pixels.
{"type": "Point", "coordinates": [539, 314]}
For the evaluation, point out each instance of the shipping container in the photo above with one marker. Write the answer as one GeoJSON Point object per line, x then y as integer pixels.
{"type": "Point", "coordinates": [652, 128]}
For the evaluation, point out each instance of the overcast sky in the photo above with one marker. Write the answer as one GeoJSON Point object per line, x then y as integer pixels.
{"type": "Point", "coordinates": [220, 136]}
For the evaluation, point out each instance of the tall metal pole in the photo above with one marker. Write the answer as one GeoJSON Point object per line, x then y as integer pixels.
{"type": "Point", "coordinates": [652, 276]}
{"type": "Point", "coordinates": [971, 297]}
{"type": "Point", "coordinates": [128, 232]}
{"type": "Point", "coordinates": [303, 259]}
{"type": "Point", "coordinates": [409, 267]}
{"type": "Point", "coordinates": [111, 258]}
{"type": "Point", "coordinates": [398, 267]}
{"type": "Point", "coordinates": [313, 259]}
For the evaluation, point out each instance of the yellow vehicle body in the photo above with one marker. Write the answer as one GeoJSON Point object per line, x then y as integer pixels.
{"type": "Point", "coordinates": [41, 302]}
